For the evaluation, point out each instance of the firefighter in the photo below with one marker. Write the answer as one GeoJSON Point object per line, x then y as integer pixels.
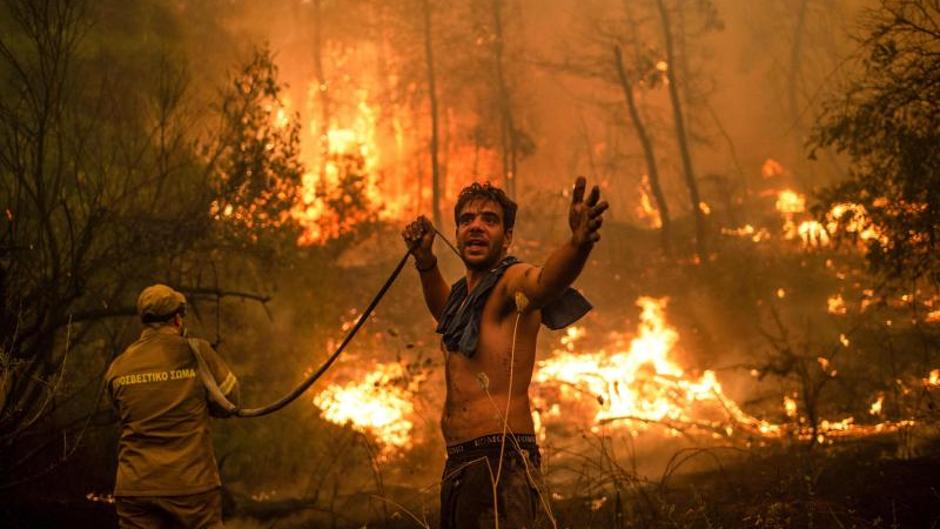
{"type": "Point", "coordinates": [166, 474]}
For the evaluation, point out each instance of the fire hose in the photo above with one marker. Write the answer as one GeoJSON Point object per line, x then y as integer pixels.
{"type": "Point", "coordinates": [219, 398]}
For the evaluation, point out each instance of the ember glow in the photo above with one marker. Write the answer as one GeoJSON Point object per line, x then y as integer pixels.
{"type": "Point", "coordinates": [836, 305]}
{"type": "Point", "coordinates": [747, 231]}
{"type": "Point", "coordinates": [771, 168]}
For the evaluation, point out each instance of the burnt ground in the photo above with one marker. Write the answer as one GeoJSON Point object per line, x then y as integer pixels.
{"type": "Point", "coordinates": [862, 484]}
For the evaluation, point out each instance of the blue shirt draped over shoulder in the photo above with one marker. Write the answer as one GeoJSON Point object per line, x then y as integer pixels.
{"type": "Point", "coordinates": [460, 320]}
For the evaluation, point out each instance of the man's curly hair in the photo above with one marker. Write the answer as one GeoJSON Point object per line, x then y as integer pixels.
{"type": "Point", "coordinates": [487, 191]}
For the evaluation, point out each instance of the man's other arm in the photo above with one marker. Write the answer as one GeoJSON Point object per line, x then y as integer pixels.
{"type": "Point", "coordinates": [419, 237]}
{"type": "Point", "coordinates": [435, 291]}
{"type": "Point", "coordinates": [541, 285]}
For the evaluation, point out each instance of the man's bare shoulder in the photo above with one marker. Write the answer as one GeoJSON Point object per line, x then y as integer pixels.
{"type": "Point", "coordinates": [517, 271]}
{"type": "Point", "coordinates": [513, 278]}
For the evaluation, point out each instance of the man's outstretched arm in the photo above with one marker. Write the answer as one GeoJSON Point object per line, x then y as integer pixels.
{"type": "Point", "coordinates": [419, 237]}
{"type": "Point", "coordinates": [563, 266]}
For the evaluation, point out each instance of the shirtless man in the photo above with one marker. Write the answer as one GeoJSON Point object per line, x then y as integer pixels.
{"type": "Point", "coordinates": [490, 321]}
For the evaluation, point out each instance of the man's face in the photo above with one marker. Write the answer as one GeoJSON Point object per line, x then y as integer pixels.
{"type": "Point", "coordinates": [481, 237]}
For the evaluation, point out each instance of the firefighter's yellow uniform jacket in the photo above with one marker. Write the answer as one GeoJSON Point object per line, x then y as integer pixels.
{"type": "Point", "coordinates": [165, 448]}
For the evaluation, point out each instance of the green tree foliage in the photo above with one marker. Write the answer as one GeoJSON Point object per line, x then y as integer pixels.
{"type": "Point", "coordinates": [887, 121]}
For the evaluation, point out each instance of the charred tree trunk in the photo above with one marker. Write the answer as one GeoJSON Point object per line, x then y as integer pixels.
{"type": "Point", "coordinates": [682, 136]}
{"type": "Point", "coordinates": [432, 102]}
{"type": "Point", "coordinates": [648, 153]}
{"type": "Point", "coordinates": [683, 61]}
{"type": "Point", "coordinates": [508, 138]}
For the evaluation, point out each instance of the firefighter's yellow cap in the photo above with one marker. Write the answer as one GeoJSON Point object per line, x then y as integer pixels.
{"type": "Point", "coordinates": [159, 303]}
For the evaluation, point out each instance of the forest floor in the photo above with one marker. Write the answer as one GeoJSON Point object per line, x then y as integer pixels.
{"type": "Point", "coordinates": [862, 484]}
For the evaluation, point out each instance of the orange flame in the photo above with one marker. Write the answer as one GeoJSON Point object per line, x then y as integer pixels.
{"type": "Point", "coordinates": [349, 148]}
{"type": "Point", "coordinates": [633, 385]}
{"type": "Point", "coordinates": [641, 384]}
{"type": "Point", "coordinates": [648, 213]}
{"type": "Point", "coordinates": [375, 406]}
{"type": "Point", "coordinates": [933, 379]}
{"type": "Point", "coordinates": [845, 216]}
{"type": "Point", "coordinates": [854, 219]}
{"type": "Point", "coordinates": [771, 168]}
{"type": "Point", "coordinates": [813, 234]}
{"type": "Point", "coordinates": [836, 305]}
{"type": "Point", "coordinates": [789, 201]}
{"type": "Point", "coordinates": [638, 385]}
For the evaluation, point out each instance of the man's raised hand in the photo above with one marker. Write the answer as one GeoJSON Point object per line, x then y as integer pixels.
{"type": "Point", "coordinates": [584, 216]}
{"type": "Point", "coordinates": [418, 237]}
